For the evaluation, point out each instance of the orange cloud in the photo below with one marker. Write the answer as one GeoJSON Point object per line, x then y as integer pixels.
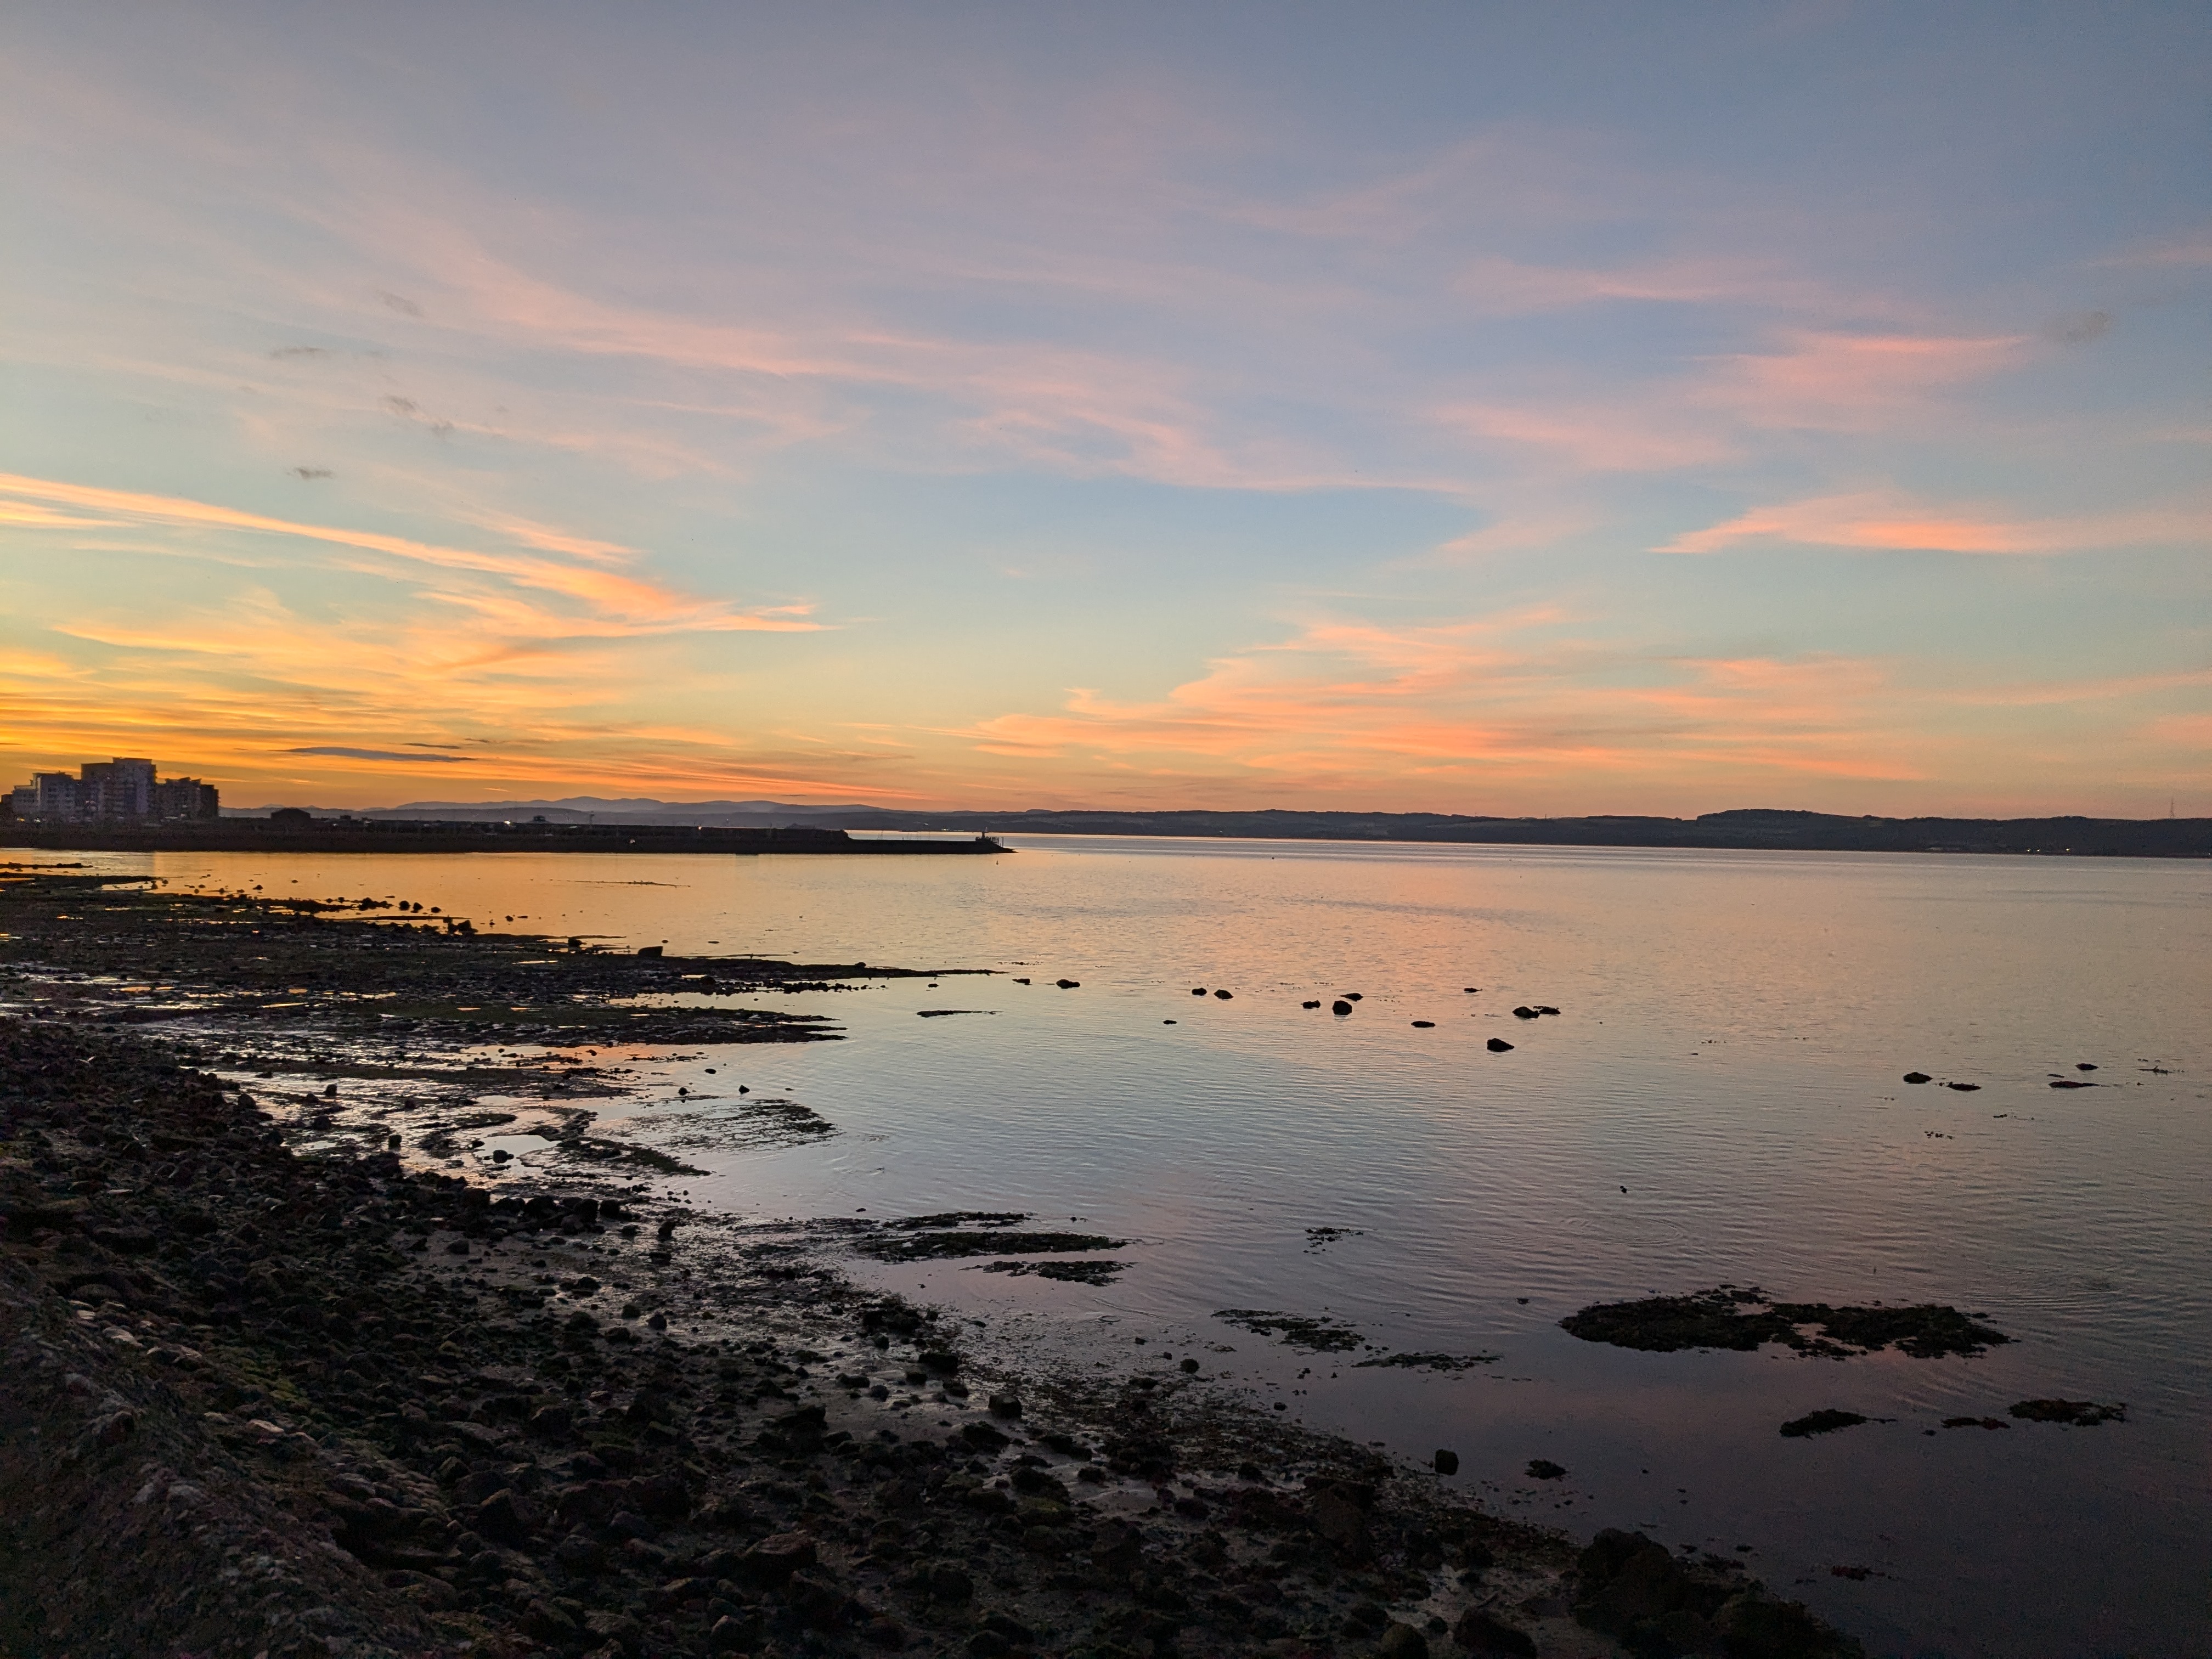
{"type": "Point", "coordinates": [1877, 520]}
{"type": "Point", "coordinates": [624, 600]}
{"type": "Point", "coordinates": [1488, 702]}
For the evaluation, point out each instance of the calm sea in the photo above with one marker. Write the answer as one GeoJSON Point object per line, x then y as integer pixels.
{"type": "Point", "coordinates": [1718, 1100]}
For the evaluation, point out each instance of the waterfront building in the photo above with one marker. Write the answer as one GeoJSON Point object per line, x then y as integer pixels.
{"type": "Point", "coordinates": [125, 788]}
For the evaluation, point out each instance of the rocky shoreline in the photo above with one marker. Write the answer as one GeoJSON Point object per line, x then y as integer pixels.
{"type": "Point", "coordinates": [275, 1387]}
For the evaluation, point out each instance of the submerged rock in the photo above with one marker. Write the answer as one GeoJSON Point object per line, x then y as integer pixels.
{"type": "Point", "coordinates": [1741, 1318]}
{"type": "Point", "coordinates": [1820, 1422]}
{"type": "Point", "coordinates": [1498, 1045]}
{"type": "Point", "coordinates": [1340, 1007]}
{"type": "Point", "coordinates": [2080, 1414]}
{"type": "Point", "coordinates": [1918, 1077]}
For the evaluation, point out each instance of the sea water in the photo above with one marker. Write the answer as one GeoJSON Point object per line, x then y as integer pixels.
{"type": "Point", "coordinates": [1718, 1100]}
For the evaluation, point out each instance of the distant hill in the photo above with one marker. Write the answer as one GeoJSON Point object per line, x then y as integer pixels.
{"type": "Point", "coordinates": [1768, 828]}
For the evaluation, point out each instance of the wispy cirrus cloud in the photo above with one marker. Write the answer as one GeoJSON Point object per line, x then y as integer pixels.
{"type": "Point", "coordinates": [619, 601]}
{"type": "Point", "coordinates": [412, 757]}
{"type": "Point", "coordinates": [1891, 521]}
{"type": "Point", "coordinates": [1515, 701]}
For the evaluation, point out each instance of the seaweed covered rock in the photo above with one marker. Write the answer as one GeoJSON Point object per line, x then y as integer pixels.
{"type": "Point", "coordinates": [1658, 1607]}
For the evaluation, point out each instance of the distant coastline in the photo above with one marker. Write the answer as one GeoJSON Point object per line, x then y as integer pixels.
{"type": "Point", "coordinates": [772, 827]}
{"type": "Point", "coordinates": [388, 836]}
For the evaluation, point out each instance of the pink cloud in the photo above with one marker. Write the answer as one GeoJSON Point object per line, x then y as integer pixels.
{"type": "Point", "coordinates": [1887, 521]}
{"type": "Point", "coordinates": [1596, 440]}
{"type": "Point", "coordinates": [1495, 700]}
{"type": "Point", "coordinates": [1831, 381]}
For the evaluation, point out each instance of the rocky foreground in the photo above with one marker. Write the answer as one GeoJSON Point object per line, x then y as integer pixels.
{"type": "Point", "coordinates": [259, 1402]}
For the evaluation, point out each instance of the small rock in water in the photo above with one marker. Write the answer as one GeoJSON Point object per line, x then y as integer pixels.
{"type": "Point", "coordinates": [1470, 989]}
{"type": "Point", "coordinates": [1353, 996]}
{"type": "Point", "coordinates": [1316, 1003]}
{"type": "Point", "coordinates": [1224, 995]}
{"type": "Point", "coordinates": [2070, 1083]}
{"type": "Point", "coordinates": [1340, 1007]}
{"type": "Point", "coordinates": [2084, 1066]}
{"type": "Point", "coordinates": [1543, 1469]}
{"type": "Point", "coordinates": [1021, 981]}
{"type": "Point", "coordinates": [1546, 1008]}
{"type": "Point", "coordinates": [1964, 1088]}
{"type": "Point", "coordinates": [1498, 1045]}
{"type": "Point", "coordinates": [1069, 984]}
{"type": "Point", "coordinates": [1198, 990]}
{"type": "Point", "coordinates": [1167, 1022]}
{"type": "Point", "coordinates": [1424, 1023]}
{"type": "Point", "coordinates": [1524, 1012]}
{"type": "Point", "coordinates": [1918, 1077]}
{"type": "Point", "coordinates": [1823, 1422]}
{"type": "Point", "coordinates": [2081, 1413]}
{"type": "Point", "coordinates": [1446, 1462]}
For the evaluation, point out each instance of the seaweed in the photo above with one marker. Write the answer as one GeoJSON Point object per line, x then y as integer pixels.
{"type": "Point", "coordinates": [1740, 1318]}
{"type": "Point", "coordinates": [1664, 1324]}
{"type": "Point", "coordinates": [1428, 1362]}
{"type": "Point", "coordinates": [1820, 1422]}
{"type": "Point", "coordinates": [1307, 1335]}
{"type": "Point", "coordinates": [2081, 1413]}
{"type": "Point", "coordinates": [1068, 1273]}
{"type": "Point", "coordinates": [1925, 1331]}
{"type": "Point", "coordinates": [964, 1219]}
{"type": "Point", "coordinates": [938, 1246]}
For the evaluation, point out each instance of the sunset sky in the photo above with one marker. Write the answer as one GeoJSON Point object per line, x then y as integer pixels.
{"type": "Point", "coordinates": [1473, 407]}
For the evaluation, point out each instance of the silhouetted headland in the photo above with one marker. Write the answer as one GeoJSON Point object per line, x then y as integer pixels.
{"type": "Point", "coordinates": [282, 832]}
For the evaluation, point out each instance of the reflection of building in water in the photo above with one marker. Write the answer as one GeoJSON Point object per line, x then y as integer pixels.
{"type": "Point", "coordinates": [118, 788]}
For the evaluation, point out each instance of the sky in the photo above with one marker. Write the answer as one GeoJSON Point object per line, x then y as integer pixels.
{"type": "Point", "coordinates": [1476, 407]}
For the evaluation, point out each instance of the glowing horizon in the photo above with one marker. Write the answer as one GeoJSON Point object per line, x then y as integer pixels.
{"type": "Point", "coordinates": [1455, 409]}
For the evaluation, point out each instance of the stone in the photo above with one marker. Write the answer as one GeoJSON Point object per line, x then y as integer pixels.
{"type": "Point", "coordinates": [1480, 1633]}
{"type": "Point", "coordinates": [982, 1438]}
{"type": "Point", "coordinates": [1316, 1003]}
{"type": "Point", "coordinates": [1425, 1025]}
{"type": "Point", "coordinates": [1543, 1468]}
{"type": "Point", "coordinates": [1498, 1045]}
{"type": "Point", "coordinates": [1446, 1462]}
{"type": "Point", "coordinates": [1223, 995]}
{"type": "Point", "coordinates": [1340, 1007]}
{"type": "Point", "coordinates": [1525, 1013]}
{"type": "Point", "coordinates": [775, 1558]}
{"type": "Point", "coordinates": [1403, 1642]}
{"type": "Point", "coordinates": [1918, 1077]}
{"type": "Point", "coordinates": [1005, 1405]}
{"type": "Point", "coordinates": [1069, 984]}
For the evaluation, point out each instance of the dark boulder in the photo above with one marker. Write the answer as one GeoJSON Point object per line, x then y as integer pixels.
{"type": "Point", "coordinates": [1480, 1634]}
{"type": "Point", "coordinates": [1498, 1045]}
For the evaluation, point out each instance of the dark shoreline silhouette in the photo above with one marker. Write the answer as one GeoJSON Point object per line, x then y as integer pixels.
{"type": "Point", "coordinates": [1755, 829]}
{"type": "Point", "coordinates": [386, 836]}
